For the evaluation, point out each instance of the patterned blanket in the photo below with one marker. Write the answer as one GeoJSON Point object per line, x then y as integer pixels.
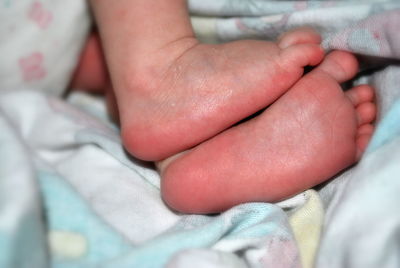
{"type": "Point", "coordinates": [71, 197]}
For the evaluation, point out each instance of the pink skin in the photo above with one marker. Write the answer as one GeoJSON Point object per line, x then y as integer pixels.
{"type": "Point", "coordinates": [311, 133]}
{"type": "Point", "coordinates": [91, 74]}
{"type": "Point", "coordinates": [207, 89]}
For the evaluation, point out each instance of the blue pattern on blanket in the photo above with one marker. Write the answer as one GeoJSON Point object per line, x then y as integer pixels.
{"type": "Point", "coordinates": [264, 222]}
{"type": "Point", "coordinates": [68, 214]}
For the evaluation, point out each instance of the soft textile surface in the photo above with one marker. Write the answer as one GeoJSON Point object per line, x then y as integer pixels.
{"type": "Point", "coordinates": [71, 197]}
{"type": "Point", "coordinates": [40, 41]}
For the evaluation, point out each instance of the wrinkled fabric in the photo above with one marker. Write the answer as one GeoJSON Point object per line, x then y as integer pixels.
{"type": "Point", "coordinates": [70, 196]}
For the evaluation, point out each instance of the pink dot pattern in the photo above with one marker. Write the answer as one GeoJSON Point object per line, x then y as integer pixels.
{"type": "Point", "coordinates": [32, 67]}
{"type": "Point", "coordinates": [40, 15]}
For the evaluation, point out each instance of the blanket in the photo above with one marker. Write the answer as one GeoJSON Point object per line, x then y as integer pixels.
{"type": "Point", "coordinates": [70, 196]}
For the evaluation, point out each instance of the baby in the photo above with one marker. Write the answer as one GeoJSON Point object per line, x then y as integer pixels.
{"type": "Point", "coordinates": [179, 101]}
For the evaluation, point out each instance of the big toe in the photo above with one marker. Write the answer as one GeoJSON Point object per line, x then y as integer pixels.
{"type": "Point", "coordinates": [340, 65]}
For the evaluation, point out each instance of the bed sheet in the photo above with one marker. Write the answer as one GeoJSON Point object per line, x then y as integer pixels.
{"type": "Point", "coordinates": [70, 196]}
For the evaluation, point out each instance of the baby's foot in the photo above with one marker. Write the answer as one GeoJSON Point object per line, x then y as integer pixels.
{"type": "Point", "coordinates": [308, 135]}
{"type": "Point", "coordinates": [205, 89]}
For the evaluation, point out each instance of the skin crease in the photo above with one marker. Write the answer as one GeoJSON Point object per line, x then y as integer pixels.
{"type": "Point", "coordinates": [177, 100]}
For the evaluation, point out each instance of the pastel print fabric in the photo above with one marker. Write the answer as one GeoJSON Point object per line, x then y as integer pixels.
{"type": "Point", "coordinates": [40, 43]}
{"type": "Point", "coordinates": [70, 196]}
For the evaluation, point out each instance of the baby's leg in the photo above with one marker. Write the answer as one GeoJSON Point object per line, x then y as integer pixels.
{"type": "Point", "coordinates": [308, 135]}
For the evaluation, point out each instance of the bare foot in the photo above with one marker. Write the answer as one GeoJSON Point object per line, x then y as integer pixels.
{"type": "Point", "coordinates": [194, 91]}
{"type": "Point", "coordinates": [308, 135]}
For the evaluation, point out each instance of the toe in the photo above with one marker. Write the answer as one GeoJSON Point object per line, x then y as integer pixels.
{"type": "Point", "coordinates": [360, 94]}
{"type": "Point", "coordinates": [304, 35]}
{"type": "Point", "coordinates": [341, 65]}
{"type": "Point", "coordinates": [362, 143]}
{"type": "Point", "coordinates": [302, 55]}
{"type": "Point", "coordinates": [366, 129]}
{"type": "Point", "coordinates": [365, 113]}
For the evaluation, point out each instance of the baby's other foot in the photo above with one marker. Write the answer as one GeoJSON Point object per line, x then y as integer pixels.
{"type": "Point", "coordinates": [189, 95]}
{"type": "Point", "coordinates": [308, 135]}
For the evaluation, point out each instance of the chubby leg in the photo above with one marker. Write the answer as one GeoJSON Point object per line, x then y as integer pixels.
{"type": "Point", "coordinates": [311, 133]}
